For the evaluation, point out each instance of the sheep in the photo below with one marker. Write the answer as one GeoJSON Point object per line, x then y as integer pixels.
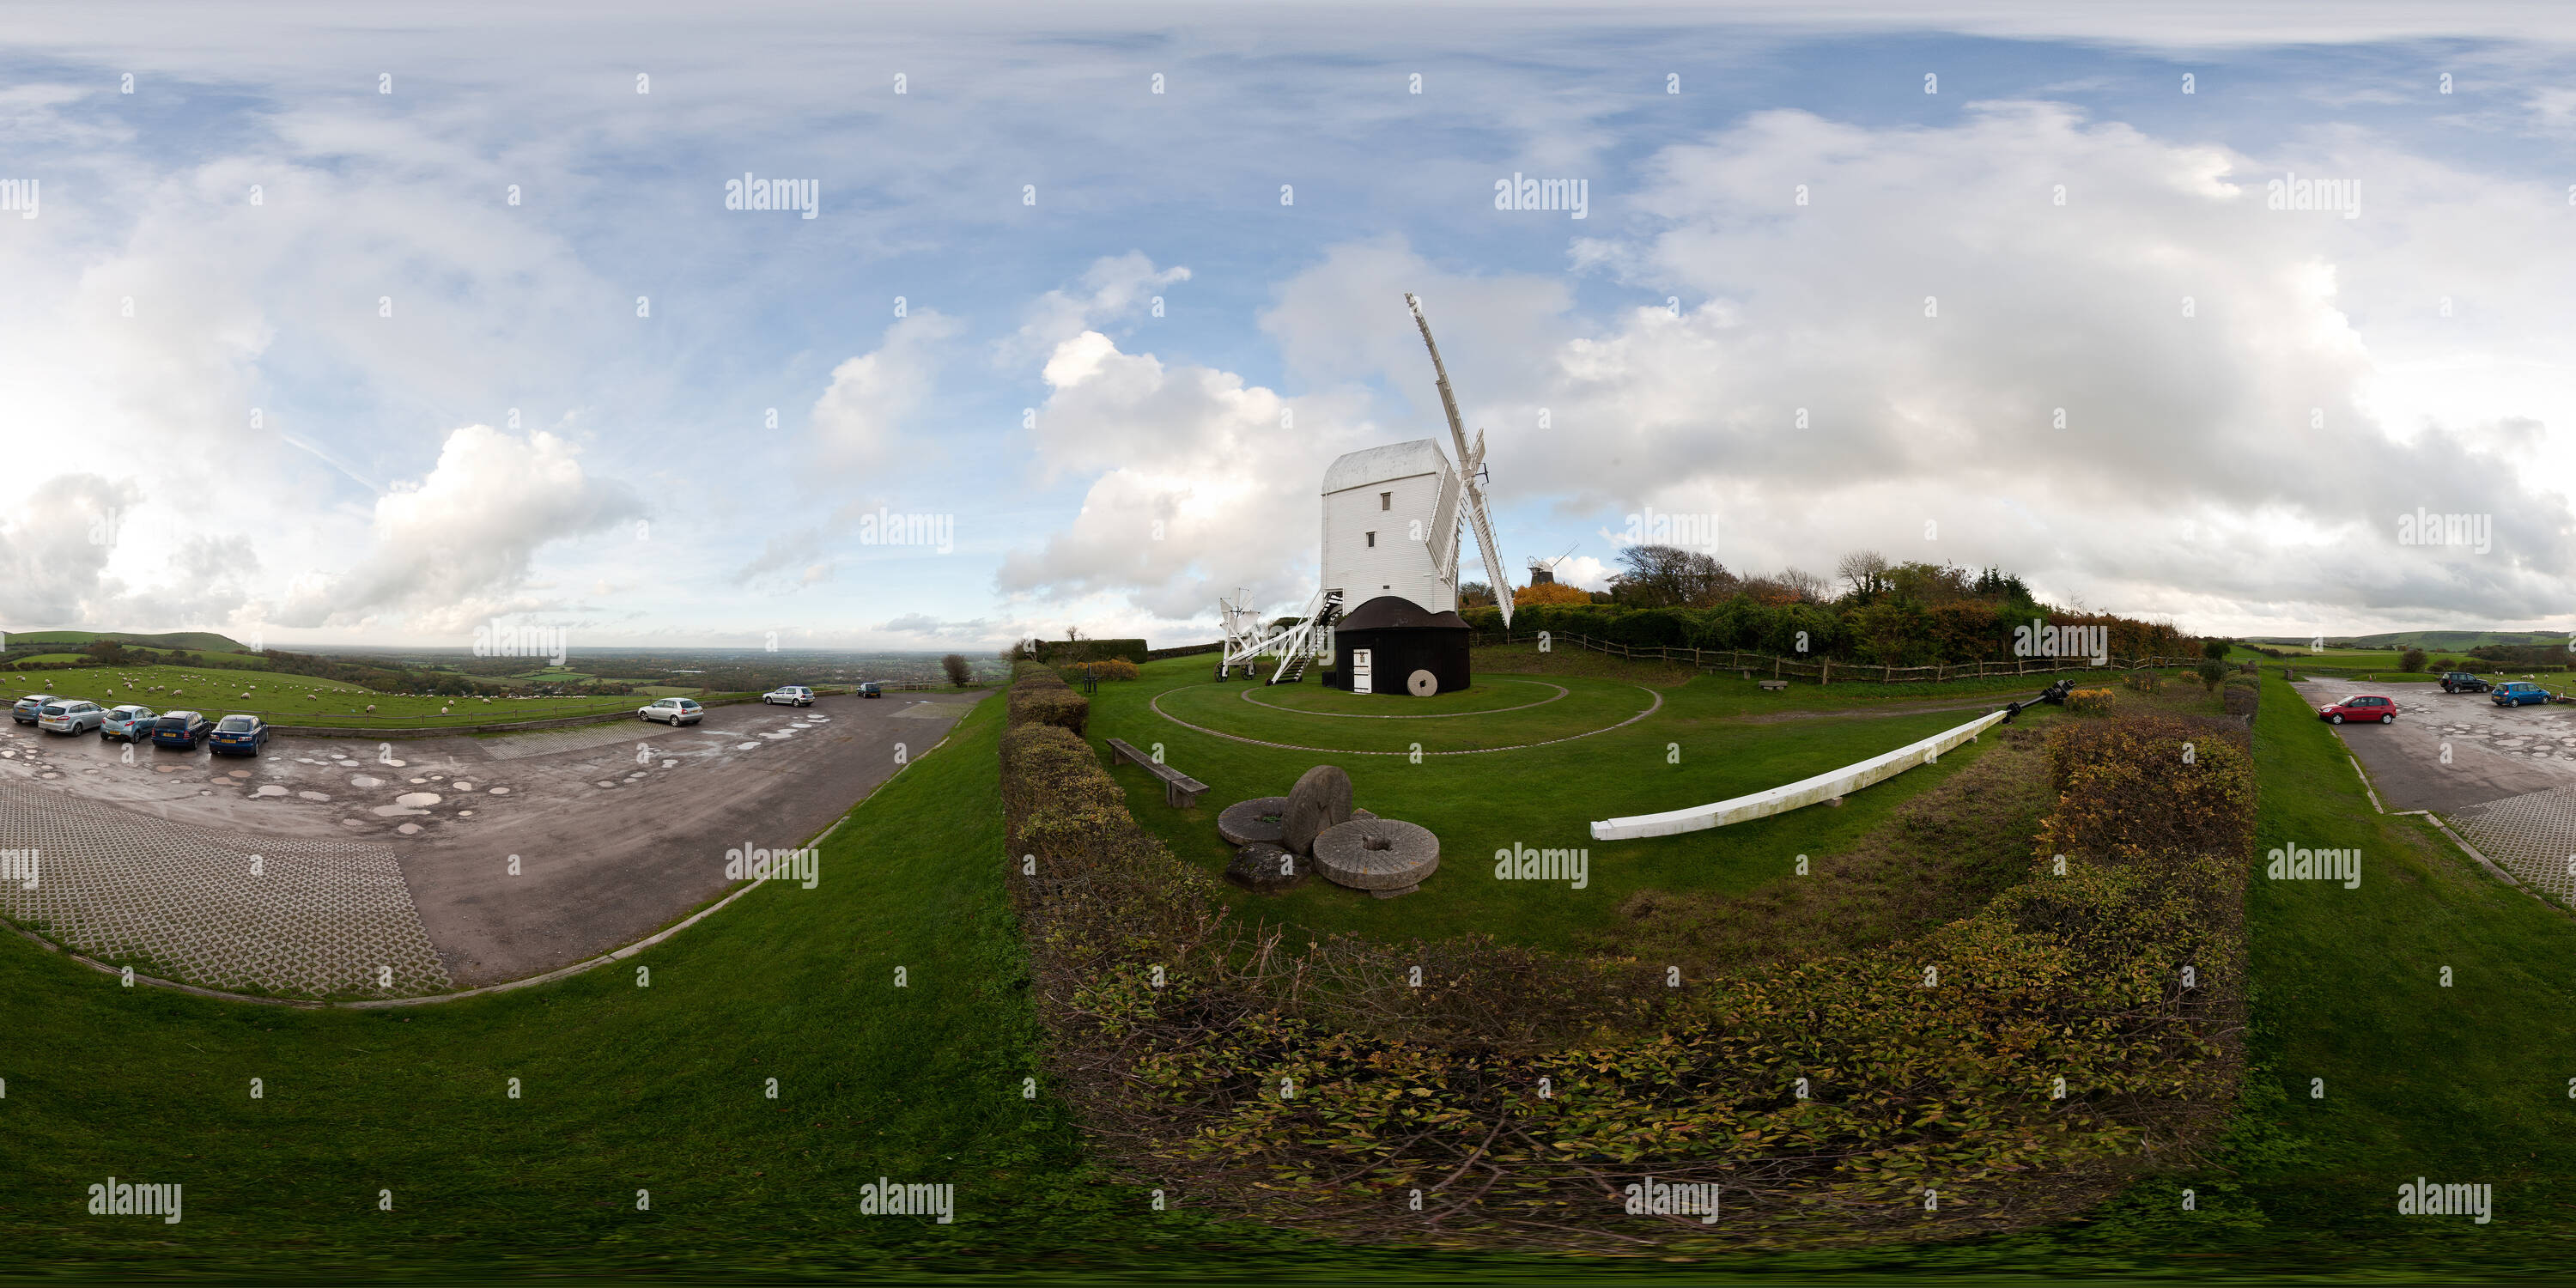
{"type": "Point", "coordinates": [371, 708]}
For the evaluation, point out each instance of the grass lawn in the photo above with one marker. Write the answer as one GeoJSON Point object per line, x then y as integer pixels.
{"type": "Point", "coordinates": [1714, 737]}
{"type": "Point", "coordinates": [293, 699]}
{"type": "Point", "coordinates": [663, 1088]}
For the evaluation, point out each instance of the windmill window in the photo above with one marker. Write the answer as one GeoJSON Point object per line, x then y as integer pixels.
{"type": "Point", "coordinates": [1386, 500]}
{"type": "Point", "coordinates": [1372, 540]}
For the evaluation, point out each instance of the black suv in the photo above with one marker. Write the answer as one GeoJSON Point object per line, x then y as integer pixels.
{"type": "Point", "coordinates": [2463, 682]}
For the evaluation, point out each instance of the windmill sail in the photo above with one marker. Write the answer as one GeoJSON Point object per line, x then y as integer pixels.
{"type": "Point", "coordinates": [1469, 462]}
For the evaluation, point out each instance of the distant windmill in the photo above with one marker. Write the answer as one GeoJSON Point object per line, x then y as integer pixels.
{"type": "Point", "coordinates": [1543, 571]}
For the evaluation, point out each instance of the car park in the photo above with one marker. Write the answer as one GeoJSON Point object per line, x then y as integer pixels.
{"type": "Point", "coordinates": [24, 712]}
{"type": "Point", "coordinates": [129, 722]}
{"type": "Point", "coordinates": [238, 735]}
{"type": "Point", "coordinates": [2518, 693]}
{"type": "Point", "coordinates": [2369, 707]}
{"type": "Point", "coordinates": [793, 695]}
{"type": "Point", "coordinates": [181, 729]}
{"type": "Point", "coordinates": [69, 715]}
{"type": "Point", "coordinates": [673, 711]}
{"type": "Point", "coordinates": [2463, 682]}
{"type": "Point", "coordinates": [870, 690]}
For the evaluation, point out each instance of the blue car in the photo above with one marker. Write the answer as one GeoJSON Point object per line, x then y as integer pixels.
{"type": "Point", "coordinates": [129, 722]}
{"type": "Point", "coordinates": [238, 736]}
{"type": "Point", "coordinates": [2517, 693]}
{"type": "Point", "coordinates": [180, 729]}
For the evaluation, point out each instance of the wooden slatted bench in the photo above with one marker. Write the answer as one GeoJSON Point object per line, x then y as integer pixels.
{"type": "Point", "coordinates": [1180, 791]}
{"type": "Point", "coordinates": [1775, 685]}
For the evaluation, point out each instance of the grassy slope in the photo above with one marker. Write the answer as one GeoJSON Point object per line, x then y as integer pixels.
{"type": "Point", "coordinates": [193, 641]}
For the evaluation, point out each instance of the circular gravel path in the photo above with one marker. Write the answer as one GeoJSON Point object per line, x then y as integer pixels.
{"type": "Point", "coordinates": [1446, 715]}
{"type": "Point", "coordinates": [1157, 704]}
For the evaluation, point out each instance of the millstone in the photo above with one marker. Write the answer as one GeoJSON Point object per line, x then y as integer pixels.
{"type": "Point", "coordinates": [1263, 818]}
{"type": "Point", "coordinates": [1377, 854]}
{"type": "Point", "coordinates": [1267, 868]}
{"type": "Point", "coordinates": [1423, 684]}
{"type": "Point", "coordinates": [1320, 800]}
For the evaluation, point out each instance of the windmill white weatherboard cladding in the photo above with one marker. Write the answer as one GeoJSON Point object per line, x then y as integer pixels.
{"type": "Point", "coordinates": [1391, 535]}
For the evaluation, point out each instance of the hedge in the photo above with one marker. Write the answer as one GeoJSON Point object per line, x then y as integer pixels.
{"type": "Point", "coordinates": [1040, 696]}
{"type": "Point", "coordinates": [1884, 634]}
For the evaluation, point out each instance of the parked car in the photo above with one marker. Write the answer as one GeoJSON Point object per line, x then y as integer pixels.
{"type": "Point", "coordinates": [870, 690]}
{"type": "Point", "coordinates": [794, 695]}
{"type": "Point", "coordinates": [2463, 682]}
{"type": "Point", "coordinates": [181, 729]}
{"type": "Point", "coordinates": [238, 735]}
{"type": "Point", "coordinates": [70, 715]}
{"type": "Point", "coordinates": [2518, 692]}
{"type": "Point", "coordinates": [130, 722]}
{"type": "Point", "coordinates": [674, 711]}
{"type": "Point", "coordinates": [2370, 707]}
{"type": "Point", "coordinates": [25, 710]}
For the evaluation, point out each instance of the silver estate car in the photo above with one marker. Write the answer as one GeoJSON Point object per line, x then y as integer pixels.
{"type": "Point", "coordinates": [70, 715]}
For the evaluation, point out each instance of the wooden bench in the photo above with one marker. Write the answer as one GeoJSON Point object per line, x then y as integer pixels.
{"type": "Point", "coordinates": [1180, 791]}
{"type": "Point", "coordinates": [1775, 685]}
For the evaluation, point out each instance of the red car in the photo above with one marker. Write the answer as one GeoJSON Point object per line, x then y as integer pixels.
{"type": "Point", "coordinates": [2361, 708]}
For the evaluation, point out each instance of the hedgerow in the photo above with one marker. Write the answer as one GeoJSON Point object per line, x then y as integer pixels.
{"type": "Point", "coordinates": [2006, 1068]}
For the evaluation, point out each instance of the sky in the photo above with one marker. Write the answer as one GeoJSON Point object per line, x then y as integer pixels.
{"type": "Point", "coordinates": [373, 325]}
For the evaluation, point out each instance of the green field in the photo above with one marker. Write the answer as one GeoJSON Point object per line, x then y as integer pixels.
{"type": "Point", "coordinates": [1715, 736]}
{"type": "Point", "coordinates": [294, 699]}
{"type": "Point", "coordinates": [664, 1089]}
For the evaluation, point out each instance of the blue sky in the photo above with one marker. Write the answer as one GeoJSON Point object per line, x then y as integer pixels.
{"type": "Point", "coordinates": [2237, 465]}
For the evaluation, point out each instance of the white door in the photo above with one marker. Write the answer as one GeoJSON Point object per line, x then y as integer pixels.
{"type": "Point", "coordinates": [1360, 670]}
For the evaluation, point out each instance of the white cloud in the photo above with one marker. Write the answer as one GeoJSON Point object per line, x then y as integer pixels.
{"type": "Point", "coordinates": [457, 547]}
{"type": "Point", "coordinates": [860, 418]}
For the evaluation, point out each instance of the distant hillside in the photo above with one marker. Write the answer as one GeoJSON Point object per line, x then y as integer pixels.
{"type": "Point", "coordinates": [193, 641]}
{"type": "Point", "coordinates": [2422, 639]}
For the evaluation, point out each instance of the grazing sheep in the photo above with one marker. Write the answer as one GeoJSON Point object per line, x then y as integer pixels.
{"type": "Point", "coordinates": [371, 708]}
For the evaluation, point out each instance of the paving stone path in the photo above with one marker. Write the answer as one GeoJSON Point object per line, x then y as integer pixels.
{"type": "Point", "coordinates": [321, 918]}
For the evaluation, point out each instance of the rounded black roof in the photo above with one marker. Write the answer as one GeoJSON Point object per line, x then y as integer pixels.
{"type": "Point", "coordinates": [1396, 613]}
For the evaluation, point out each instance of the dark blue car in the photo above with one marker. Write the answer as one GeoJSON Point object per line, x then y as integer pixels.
{"type": "Point", "coordinates": [181, 729]}
{"type": "Point", "coordinates": [239, 736]}
{"type": "Point", "coordinates": [2518, 693]}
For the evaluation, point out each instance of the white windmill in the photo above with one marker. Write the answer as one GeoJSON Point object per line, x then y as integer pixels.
{"type": "Point", "coordinates": [1391, 538]}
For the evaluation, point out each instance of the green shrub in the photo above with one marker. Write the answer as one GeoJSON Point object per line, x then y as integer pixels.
{"type": "Point", "coordinates": [2142, 681]}
{"type": "Point", "coordinates": [2210, 674]}
{"type": "Point", "coordinates": [2149, 785]}
{"type": "Point", "coordinates": [1116, 668]}
{"type": "Point", "coordinates": [2089, 702]}
{"type": "Point", "coordinates": [1040, 696]}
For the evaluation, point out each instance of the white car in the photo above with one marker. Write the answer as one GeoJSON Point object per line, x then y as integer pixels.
{"type": "Point", "coordinates": [70, 715]}
{"type": "Point", "coordinates": [673, 711]}
{"type": "Point", "coordinates": [794, 695]}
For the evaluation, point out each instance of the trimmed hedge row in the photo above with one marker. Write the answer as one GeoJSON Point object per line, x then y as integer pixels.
{"type": "Point", "coordinates": [1881, 634]}
{"type": "Point", "coordinates": [2022, 1062]}
{"type": "Point", "coordinates": [1040, 696]}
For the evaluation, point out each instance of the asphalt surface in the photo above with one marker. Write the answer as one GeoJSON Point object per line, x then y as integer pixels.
{"type": "Point", "coordinates": [619, 829]}
{"type": "Point", "coordinates": [2493, 752]}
